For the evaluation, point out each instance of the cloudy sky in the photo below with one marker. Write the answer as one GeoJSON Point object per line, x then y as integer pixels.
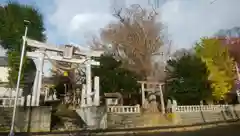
{"type": "Point", "coordinates": [75, 21]}
{"type": "Point", "coordinates": [187, 20]}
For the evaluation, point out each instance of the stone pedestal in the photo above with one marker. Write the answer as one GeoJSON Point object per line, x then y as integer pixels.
{"type": "Point", "coordinates": [174, 115]}
{"type": "Point", "coordinates": [153, 107]}
{"type": "Point", "coordinates": [150, 107]}
{"type": "Point", "coordinates": [93, 116]}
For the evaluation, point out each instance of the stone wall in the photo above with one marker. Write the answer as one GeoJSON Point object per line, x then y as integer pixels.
{"type": "Point", "coordinates": [32, 119]}
{"type": "Point", "coordinates": [39, 118]}
{"type": "Point", "coordinates": [230, 113]}
{"type": "Point", "coordinates": [118, 120]}
{"type": "Point", "coordinates": [131, 120]}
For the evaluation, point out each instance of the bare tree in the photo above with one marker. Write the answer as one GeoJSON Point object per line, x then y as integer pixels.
{"type": "Point", "coordinates": [135, 38]}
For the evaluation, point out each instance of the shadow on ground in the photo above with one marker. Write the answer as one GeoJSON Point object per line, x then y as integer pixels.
{"type": "Point", "coordinates": [233, 130]}
{"type": "Point", "coordinates": [230, 130]}
{"type": "Point", "coordinates": [227, 130]}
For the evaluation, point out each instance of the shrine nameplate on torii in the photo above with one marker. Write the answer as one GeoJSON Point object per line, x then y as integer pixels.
{"type": "Point", "coordinates": [67, 52]}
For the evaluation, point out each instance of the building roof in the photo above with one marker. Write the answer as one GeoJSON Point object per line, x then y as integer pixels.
{"type": "Point", "coordinates": [3, 61]}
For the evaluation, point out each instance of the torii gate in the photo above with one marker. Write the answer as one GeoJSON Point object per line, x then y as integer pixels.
{"type": "Point", "coordinates": [153, 86]}
{"type": "Point", "coordinates": [68, 52]}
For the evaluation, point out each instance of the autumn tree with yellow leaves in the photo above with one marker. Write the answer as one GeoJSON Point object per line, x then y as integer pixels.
{"type": "Point", "coordinates": [222, 72]}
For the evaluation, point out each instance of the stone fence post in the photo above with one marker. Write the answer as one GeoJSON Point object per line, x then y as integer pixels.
{"type": "Point", "coordinates": [175, 116]}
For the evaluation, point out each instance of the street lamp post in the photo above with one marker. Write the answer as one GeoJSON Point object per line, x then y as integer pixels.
{"type": "Point", "coordinates": [11, 133]}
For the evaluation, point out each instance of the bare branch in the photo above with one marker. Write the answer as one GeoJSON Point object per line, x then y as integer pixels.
{"type": "Point", "coordinates": [138, 34]}
{"type": "Point", "coordinates": [118, 14]}
{"type": "Point", "coordinates": [134, 38]}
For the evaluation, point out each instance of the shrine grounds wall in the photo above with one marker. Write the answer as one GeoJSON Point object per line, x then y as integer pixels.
{"type": "Point", "coordinates": [38, 119]}
{"type": "Point", "coordinates": [232, 112]}
{"type": "Point", "coordinates": [34, 119]}
{"type": "Point", "coordinates": [131, 120]}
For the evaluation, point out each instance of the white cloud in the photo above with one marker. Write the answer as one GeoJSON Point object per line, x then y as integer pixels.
{"type": "Point", "coordinates": [188, 20]}
{"type": "Point", "coordinates": [74, 20]}
{"type": "Point", "coordinates": [87, 23]}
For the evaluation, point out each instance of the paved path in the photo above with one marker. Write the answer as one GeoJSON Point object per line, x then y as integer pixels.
{"type": "Point", "coordinates": [229, 130]}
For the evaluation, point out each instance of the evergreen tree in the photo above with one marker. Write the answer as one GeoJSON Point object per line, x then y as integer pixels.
{"type": "Point", "coordinates": [12, 29]}
{"type": "Point", "coordinates": [114, 78]}
{"type": "Point", "coordinates": [187, 80]}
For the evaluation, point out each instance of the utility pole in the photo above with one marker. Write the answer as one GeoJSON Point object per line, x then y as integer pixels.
{"type": "Point", "coordinates": [19, 78]}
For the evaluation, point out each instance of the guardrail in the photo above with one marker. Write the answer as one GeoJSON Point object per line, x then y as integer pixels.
{"type": "Point", "coordinates": [124, 109]}
{"type": "Point", "coordinates": [198, 108]}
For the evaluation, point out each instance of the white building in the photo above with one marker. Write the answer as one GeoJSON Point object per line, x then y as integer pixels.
{"type": "Point", "coordinates": [5, 92]}
{"type": "Point", "coordinates": [3, 69]}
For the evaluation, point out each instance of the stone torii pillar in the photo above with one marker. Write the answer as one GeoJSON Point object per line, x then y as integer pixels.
{"type": "Point", "coordinates": [89, 82]}
{"type": "Point", "coordinates": [37, 85]}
